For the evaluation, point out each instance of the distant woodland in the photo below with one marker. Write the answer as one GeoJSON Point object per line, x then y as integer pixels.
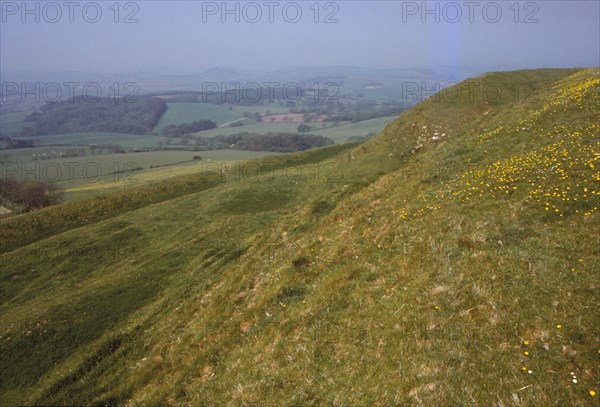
{"type": "Point", "coordinates": [81, 115]}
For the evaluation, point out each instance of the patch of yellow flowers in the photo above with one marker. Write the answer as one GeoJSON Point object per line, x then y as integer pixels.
{"type": "Point", "coordinates": [560, 177]}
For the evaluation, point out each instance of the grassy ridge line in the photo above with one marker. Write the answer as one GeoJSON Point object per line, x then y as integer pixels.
{"type": "Point", "coordinates": [31, 227]}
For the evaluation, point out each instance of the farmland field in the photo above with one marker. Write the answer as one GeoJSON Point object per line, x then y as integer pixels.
{"type": "Point", "coordinates": [289, 117]}
{"type": "Point", "coordinates": [212, 162]}
{"type": "Point", "coordinates": [258, 128]}
{"type": "Point", "coordinates": [91, 169]}
{"type": "Point", "coordinates": [10, 117]}
{"type": "Point", "coordinates": [260, 109]}
{"type": "Point", "coordinates": [187, 112]}
{"type": "Point", "coordinates": [178, 113]}
{"type": "Point", "coordinates": [13, 122]}
{"type": "Point", "coordinates": [124, 140]}
{"type": "Point", "coordinates": [339, 134]}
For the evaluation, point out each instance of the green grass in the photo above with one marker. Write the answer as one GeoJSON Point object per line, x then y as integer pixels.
{"type": "Point", "coordinates": [178, 113]}
{"type": "Point", "coordinates": [359, 274]}
{"type": "Point", "coordinates": [12, 117]}
{"type": "Point", "coordinates": [80, 171]}
{"type": "Point", "coordinates": [86, 176]}
{"type": "Point", "coordinates": [339, 134]}
{"type": "Point", "coordinates": [211, 160]}
{"type": "Point", "coordinates": [13, 122]}
{"type": "Point", "coordinates": [257, 128]}
{"type": "Point", "coordinates": [273, 109]}
{"type": "Point", "coordinates": [124, 140]}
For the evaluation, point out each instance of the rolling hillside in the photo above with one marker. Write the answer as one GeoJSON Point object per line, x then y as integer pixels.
{"type": "Point", "coordinates": [451, 260]}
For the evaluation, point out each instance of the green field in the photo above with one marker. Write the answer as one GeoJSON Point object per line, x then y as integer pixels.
{"type": "Point", "coordinates": [84, 139]}
{"type": "Point", "coordinates": [168, 168]}
{"type": "Point", "coordinates": [13, 122]}
{"type": "Point", "coordinates": [408, 270]}
{"type": "Point", "coordinates": [13, 117]}
{"type": "Point", "coordinates": [95, 172]}
{"type": "Point", "coordinates": [258, 128]}
{"type": "Point", "coordinates": [178, 113]}
{"type": "Point", "coordinates": [260, 109]}
{"type": "Point", "coordinates": [339, 134]}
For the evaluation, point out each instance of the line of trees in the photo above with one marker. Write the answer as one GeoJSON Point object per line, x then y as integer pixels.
{"type": "Point", "coordinates": [111, 148]}
{"type": "Point", "coordinates": [178, 130]}
{"type": "Point", "coordinates": [30, 194]}
{"type": "Point", "coordinates": [7, 142]}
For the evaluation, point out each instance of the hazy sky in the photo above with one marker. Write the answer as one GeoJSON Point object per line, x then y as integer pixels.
{"type": "Point", "coordinates": [190, 36]}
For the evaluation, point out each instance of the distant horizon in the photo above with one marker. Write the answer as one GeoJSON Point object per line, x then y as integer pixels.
{"type": "Point", "coordinates": [169, 72]}
{"type": "Point", "coordinates": [159, 37]}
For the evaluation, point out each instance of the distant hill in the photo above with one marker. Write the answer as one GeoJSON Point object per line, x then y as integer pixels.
{"type": "Point", "coordinates": [450, 260]}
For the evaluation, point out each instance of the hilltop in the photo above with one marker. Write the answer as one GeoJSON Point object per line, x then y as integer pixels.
{"type": "Point", "coordinates": [450, 260]}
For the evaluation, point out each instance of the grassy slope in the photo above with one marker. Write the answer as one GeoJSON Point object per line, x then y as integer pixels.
{"type": "Point", "coordinates": [211, 161]}
{"type": "Point", "coordinates": [380, 274]}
